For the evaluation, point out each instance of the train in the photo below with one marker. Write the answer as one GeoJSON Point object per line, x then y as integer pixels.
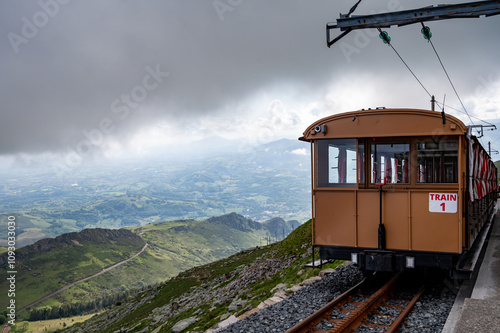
{"type": "Point", "coordinates": [396, 189]}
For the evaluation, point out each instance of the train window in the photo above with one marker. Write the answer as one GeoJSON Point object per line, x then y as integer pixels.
{"type": "Point", "coordinates": [389, 163]}
{"type": "Point", "coordinates": [336, 162]}
{"type": "Point", "coordinates": [437, 162]}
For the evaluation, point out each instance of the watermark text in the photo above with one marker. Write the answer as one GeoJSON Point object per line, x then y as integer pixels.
{"type": "Point", "coordinates": [31, 26]}
{"type": "Point", "coordinates": [11, 269]}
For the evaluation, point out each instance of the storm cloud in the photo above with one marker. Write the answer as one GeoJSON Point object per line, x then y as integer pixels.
{"type": "Point", "coordinates": [74, 72]}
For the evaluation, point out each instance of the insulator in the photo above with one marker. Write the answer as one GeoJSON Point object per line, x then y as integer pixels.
{"type": "Point", "coordinates": [385, 37]}
{"type": "Point", "coordinates": [426, 31]}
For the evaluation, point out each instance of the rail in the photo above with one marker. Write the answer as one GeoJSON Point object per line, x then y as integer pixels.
{"type": "Point", "coordinates": [354, 307]}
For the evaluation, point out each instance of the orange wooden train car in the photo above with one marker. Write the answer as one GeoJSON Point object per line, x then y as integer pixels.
{"type": "Point", "coordinates": [399, 188]}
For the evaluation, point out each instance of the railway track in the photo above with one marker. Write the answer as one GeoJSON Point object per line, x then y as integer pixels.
{"type": "Point", "coordinates": [375, 304]}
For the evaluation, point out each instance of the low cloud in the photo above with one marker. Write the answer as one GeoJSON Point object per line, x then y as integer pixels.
{"type": "Point", "coordinates": [93, 78]}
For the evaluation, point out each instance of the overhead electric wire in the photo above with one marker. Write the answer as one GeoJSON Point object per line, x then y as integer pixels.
{"type": "Point", "coordinates": [353, 8]}
{"type": "Point", "coordinates": [428, 93]}
{"type": "Point", "coordinates": [427, 35]}
{"type": "Point", "coordinates": [404, 62]}
{"type": "Point", "coordinates": [461, 111]}
{"type": "Point", "coordinates": [479, 119]}
{"type": "Point", "coordinates": [447, 75]}
{"type": "Point", "coordinates": [387, 40]}
{"type": "Point", "coordinates": [426, 30]}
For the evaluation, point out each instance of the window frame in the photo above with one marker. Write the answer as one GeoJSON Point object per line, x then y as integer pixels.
{"type": "Point", "coordinates": [442, 168]}
{"type": "Point", "coordinates": [390, 141]}
{"type": "Point", "coordinates": [322, 170]}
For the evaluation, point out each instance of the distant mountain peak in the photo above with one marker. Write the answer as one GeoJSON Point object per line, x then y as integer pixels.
{"type": "Point", "coordinates": [279, 226]}
{"type": "Point", "coordinates": [235, 221]}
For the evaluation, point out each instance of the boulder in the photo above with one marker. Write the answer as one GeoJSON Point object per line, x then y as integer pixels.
{"type": "Point", "coordinates": [183, 324]}
{"type": "Point", "coordinates": [325, 272]}
{"type": "Point", "coordinates": [281, 294]}
{"type": "Point", "coordinates": [295, 288]}
{"type": "Point", "coordinates": [279, 287]}
{"type": "Point", "coordinates": [311, 280]}
{"type": "Point", "coordinates": [236, 304]}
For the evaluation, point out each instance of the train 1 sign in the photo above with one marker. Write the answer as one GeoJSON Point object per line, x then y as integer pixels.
{"type": "Point", "coordinates": [443, 202]}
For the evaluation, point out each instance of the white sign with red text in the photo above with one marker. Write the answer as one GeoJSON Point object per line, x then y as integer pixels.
{"type": "Point", "coordinates": [443, 202]}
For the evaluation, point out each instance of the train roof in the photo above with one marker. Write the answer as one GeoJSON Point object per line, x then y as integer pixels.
{"type": "Point", "coordinates": [383, 122]}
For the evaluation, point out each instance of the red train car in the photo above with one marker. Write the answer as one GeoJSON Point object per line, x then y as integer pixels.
{"type": "Point", "coordinates": [398, 188]}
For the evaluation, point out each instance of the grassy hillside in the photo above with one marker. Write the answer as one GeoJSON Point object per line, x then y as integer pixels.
{"type": "Point", "coordinates": [173, 247]}
{"type": "Point", "coordinates": [209, 291]}
{"type": "Point", "coordinates": [199, 242]}
{"type": "Point", "coordinates": [50, 264]}
{"type": "Point", "coordinates": [49, 325]}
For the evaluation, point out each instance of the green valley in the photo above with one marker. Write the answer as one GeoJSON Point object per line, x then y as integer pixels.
{"type": "Point", "coordinates": [173, 247]}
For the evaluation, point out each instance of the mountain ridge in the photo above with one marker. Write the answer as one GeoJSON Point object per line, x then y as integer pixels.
{"type": "Point", "coordinates": [95, 235]}
{"type": "Point", "coordinates": [235, 221]}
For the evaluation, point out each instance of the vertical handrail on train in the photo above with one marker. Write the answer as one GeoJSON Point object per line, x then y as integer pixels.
{"type": "Point", "coordinates": [410, 246]}
{"type": "Point", "coordinates": [381, 227]}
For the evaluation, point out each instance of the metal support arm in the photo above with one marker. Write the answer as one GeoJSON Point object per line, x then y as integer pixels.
{"type": "Point", "coordinates": [348, 22]}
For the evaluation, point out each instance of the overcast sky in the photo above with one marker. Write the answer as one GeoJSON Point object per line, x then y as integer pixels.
{"type": "Point", "coordinates": [117, 77]}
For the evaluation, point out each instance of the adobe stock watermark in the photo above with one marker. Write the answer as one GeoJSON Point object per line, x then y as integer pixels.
{"type": "Point", "coordinates": [488, 85]}
{"type": "Point", "coordinates": [11, 270]}
{"type": "Point", "coordinates": [225, 6]}
{"type": "Point", "coordinates": [31, 26]}
{"type": "Point", "coordinates": [363, 37]}
{"type": "Point", "coordinates": [122, 107]}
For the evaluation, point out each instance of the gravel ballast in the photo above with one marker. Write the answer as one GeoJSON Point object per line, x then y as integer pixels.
{"type": "Point", "coordinates": [429, 314]}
